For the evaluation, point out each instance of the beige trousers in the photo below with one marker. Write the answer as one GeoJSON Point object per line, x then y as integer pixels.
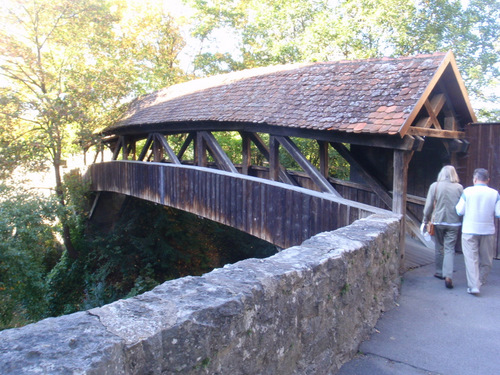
{"type": "Point", "coordinates": [478, 256]}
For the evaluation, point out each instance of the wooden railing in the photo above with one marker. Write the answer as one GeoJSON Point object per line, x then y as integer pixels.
{"type": "Point", "coordinates": [282, 214]}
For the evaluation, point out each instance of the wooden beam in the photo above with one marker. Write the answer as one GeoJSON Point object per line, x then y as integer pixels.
{"type": "Point", "coordinates": [323, 158]}
{"type": "Point", "coordinates": [370, 180]}
{"type": "Point", "coordinates": [433, 108]}
{"type": "Point", "coordinates": [437, 103]}
{"type": "Point", "coordinates": [457, 145]}
{"type": "Point", "coordinates": [119, 145]}
{"type": "Point", "coordinates": [259, 143]}
{"type": "Point", "coordinates": [218, 153]}
{"type": "Point", "coordinates": [190, 138]}
{"type": "Point", "coordinates": [132, 149]}
{"type": "Point", "coordinates": [201, 150]}
{"type": "Point", "coordinates": [450, 123]}
{"type": "Point", "coordinates": [435, 133]}
{"type": "Point", "coordinates": [400, 181]}
{"type": "Point", "coordinates": [399, 190]}
{"type": "Point", "coordinates": [450, 116]}
{"type": "Point", "coordinates": [373, 140]}
{"type": "Point", "coordinates": [246, 152]}
{"type": "Point", "coordinates": [146, 147]}
{"type": "Point", "coordinates": [128, 147]}
{"type": "Point", "coordinates": [424, 122]}
{"type": "Point", "coordinates": [274, 158]}
{"type": "Point", "coordinates": [313, 173]}
{"type": "Point", "coordinates": [432, 115]}
{"type": "Point", "coordinates": [264, 150]}
{"type": "Point", "coordinates": [157, 150]}
{"type": "Point", "coordinates": [379, 189]}
{"type": "Point", "coordinates": [166, 147]}
{"type": "Point", "coordinates": [124, 148]}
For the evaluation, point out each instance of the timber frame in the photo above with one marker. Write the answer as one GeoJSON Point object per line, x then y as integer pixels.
{"type": "Point", "coordinates": [392, 143]}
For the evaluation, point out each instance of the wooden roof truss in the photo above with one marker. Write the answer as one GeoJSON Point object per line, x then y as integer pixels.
{"type": "Point", "coordinates": [437, 119]}
{"type": "Point", "coordinates": [157, 149]}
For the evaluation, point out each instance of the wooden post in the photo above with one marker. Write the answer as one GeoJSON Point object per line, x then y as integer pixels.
{"type": "Point", "coordinates": [201, 150]}
{"type": "Point", "coordinates": [124, 148]}
{"type": "Point", "coordinates": [274, 159]}
{"type": "Point", "coordinates": [134, 149]}
{"type": "Point", "coordinates": [399, 190]}
{"type": "Point", "coordinates": [246, 153]}
{"type": "Point", "coordinates": [157, 151]}
{"type": "Point", "coordinates": [323, 158]}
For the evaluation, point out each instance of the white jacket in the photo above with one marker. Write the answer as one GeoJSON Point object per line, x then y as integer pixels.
{"type": "Point", "coordinates": [479, 204]}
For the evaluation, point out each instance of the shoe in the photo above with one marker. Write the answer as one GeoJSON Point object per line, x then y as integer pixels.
{"type": "Point", "coordinates": [440, 277]}
{"type": "Point", "coordinates": [448, 283]}
{"type": "Point", "coordinates": [474, 291]}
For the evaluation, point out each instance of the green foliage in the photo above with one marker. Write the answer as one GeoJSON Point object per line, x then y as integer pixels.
{"type": "Point", "coordinates": [231, 144]}
{"type": "Point", "coordinates": [28, 250]}
{"type": "Point", "coordinates": [472, 33]}
{"type": "Point", "coordinates": [67, 68]}
{"type": "Point", "coordinates": [216, 63]}
{"type": "Point", "coordinates": [148, 245]}
{"type": "Point", "coordinates": [288, 31]}
{"type": "Point", "coordinates": [339, 168]}
{"type": "Point", "coordinates": [78, 198]}
{"type": "Point", "coordinates": [65, 285]}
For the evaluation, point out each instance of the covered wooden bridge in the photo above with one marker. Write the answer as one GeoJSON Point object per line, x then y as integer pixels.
{"type": "Point", "coordinates": [395, 121]}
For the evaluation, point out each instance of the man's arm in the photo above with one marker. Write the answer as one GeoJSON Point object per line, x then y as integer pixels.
{"type": "Point", "coordinates": [460, 207]}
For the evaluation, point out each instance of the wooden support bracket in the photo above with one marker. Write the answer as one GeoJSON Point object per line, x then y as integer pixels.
{"type": "Point", "coordinates": [146, 147]}
{"type": "Point", "coordinates": [185, 145]}
{"type": "Point", "coordinates": [313, 173]}
{"type": "Point", "coordinates": [166, 147]}
{"type": "Point", "coordinates": [217, 152]}
{"type": "Point", "coordinates": [264, 150]}
{"type": "Point", "coordinates": [370, 180]}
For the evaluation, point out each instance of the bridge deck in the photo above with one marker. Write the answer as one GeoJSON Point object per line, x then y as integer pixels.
{"type": "Point", "coordinates": [417, 254]}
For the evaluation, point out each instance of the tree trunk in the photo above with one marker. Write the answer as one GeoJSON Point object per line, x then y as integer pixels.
{"type": "Point", "coordinates": [68, 244]}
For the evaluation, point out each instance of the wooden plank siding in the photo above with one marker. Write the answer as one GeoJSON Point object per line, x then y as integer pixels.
{"type": "Point", "coordinates": [278, 213]}
{"type": "Point", "coordinates": [484, 152]}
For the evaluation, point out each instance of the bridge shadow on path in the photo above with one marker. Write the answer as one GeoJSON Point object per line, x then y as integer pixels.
{"type": "Point", "coordinates": [435, 330]}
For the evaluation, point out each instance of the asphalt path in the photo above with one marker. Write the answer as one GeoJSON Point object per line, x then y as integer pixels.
{"type": "Point", "coordinates": [435, 330]}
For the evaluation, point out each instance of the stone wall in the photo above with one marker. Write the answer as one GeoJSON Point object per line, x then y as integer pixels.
{"type": "Point", "coordinates": [304, 310]}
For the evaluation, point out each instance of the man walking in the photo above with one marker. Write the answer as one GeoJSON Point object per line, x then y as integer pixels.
{"type": "Point", "coordinates": [478, 205]}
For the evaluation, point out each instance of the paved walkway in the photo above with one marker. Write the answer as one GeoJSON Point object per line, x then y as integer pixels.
{"type": "Point", "coordinates": [435, 330]}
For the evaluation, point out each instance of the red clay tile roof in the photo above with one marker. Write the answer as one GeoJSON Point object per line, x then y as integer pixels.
{"type": "Point", "coordinates": [361, 96]}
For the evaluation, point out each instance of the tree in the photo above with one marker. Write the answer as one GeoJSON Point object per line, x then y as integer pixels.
{"type": "Point", "coordinates": [472, 33]}
{"type": "Point", "coordinates": [68, 67]}
{"type": "Point", "coordinates": [287, 31]}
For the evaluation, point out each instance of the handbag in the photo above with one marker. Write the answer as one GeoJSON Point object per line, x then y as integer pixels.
{"type": "Point", "coordinates": [430, 228]}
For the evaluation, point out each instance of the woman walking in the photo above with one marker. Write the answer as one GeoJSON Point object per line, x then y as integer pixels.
{"type": "Point", "coordinates": [439, 209]}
